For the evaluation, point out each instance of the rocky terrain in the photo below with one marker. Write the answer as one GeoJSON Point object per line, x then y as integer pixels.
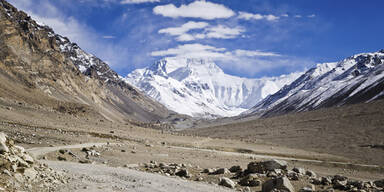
{"type": "Point", "coordinates": [41, 68]}
{"type": "Point", "coordinates": [20, 171]}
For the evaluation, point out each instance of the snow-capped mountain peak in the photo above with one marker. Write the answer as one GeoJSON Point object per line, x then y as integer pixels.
{"type": "Point", "coordinates": [198, 87]}
{"type": "Point", "coordinates": [359, 78]}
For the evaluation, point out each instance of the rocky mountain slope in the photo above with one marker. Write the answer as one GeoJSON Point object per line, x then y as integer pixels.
{"type": "Point", "coordinates": [44, 69]}
{"type": "Point", "coordinates": [198, 87]}
{"type": "Point", "coordinates": [356, 79]}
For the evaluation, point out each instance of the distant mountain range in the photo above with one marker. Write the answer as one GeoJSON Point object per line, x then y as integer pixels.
{"type": "Point", "coordinates": [198, 87]}
{"type": "Point", "coordinates": [356, 79]}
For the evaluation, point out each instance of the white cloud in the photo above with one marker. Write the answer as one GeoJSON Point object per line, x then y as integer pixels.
{"type": "Point", "coordinates": [248, 53]}
{"type": "Point", "coordinates": [108, 37]}
{"type": "Point", "coordinates": [213, 32]}
{"type": "Point", "coordinates": [197, 9]}
{"type": "Point", "coordinates": [192, 51]}
{"type": "Point", "coordinates": [285, 15]}
{"type": "Point", "coordinates": [251, 16]}
{"type": "Point", "coordinates": [184, 28]}
{"type": "Point", "coordinates": [298, 16]}
{"type": "Point", "coordinates": [223, 32]}
{"type": "Point", "coordinates": [248, 62]}
{"type": "Point", "coordinates": [311, 16]}
{"type": "Point", "coordinates": [197, 50]}
{"type": "Point", "coordinates": [138, 1]}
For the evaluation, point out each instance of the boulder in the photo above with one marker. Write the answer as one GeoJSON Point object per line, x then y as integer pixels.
{"type": "Point", "coordinates": [310, 173]}
{"type": "Point", "coordinates": [299, 170]}
{"type": "Point", "coordinates": [265, 166]}
{"type": "Point", "coordinates": [221, 171]}
{"type": "Point", "coordinates": [250, 180]}
{"type": "Point", "coordinates": [235, 169]}
{"type": "Point", "coordinates": [3, 145]}
{"type": "Point", "coordinates": [280, 184]}
{"type": "Point", "coordinates": [226, 182]}
{"type": "Point", "coordinates": [309, 188]}
{"type": "Point", "coordinates": [379, 183]}
{"type": "Point", "coordinates": [183, 173]}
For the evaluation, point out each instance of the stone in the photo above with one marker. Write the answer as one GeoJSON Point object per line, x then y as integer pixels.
{"type": "Point", "coordinates": [325, 180]}
{"type": "Point", "coordinates": [235, 169]}
{"type": "Point", "coordinates": [293, 175]}
{"type": "Point", "coordinates": [28, 159]}
{"type": "Point", "coordinates": [250, 180]}
{"type": "Point", "coordinates": [309, 188]}
{"type": "Point", "coordinates": [226, 182]}
{"type": "Point", "coordinates": [209, 171]}
{"type": "Point", "coordinates": [379, 183]}
{"type": "Point", "coordinates": [60, 158]}
{"type": "Point", "coordinates": [299, 170]}
{"type": "Point", "coordinates": [30, 173]}
{"type": "Point", "coordinates": [221, 171]}
{"type": "Point", "coordinates": [310, 173]}
{"type": "Point", "coordinates": [280, 184]}
{"type": "Point", "coordinates": [315, 181]}
{"type": "Point", "coordinates": [339, 184]}
{"type": "Point", "coordinates": [63, 151]}
{"type": "Point", "coordinates": [3, 145]}
{"type": "Point", "coordinates": [264, 166]}
{"type": "Point", "coordinates": [183, 173]}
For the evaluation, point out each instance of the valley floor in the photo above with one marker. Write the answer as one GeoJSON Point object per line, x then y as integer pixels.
{"type": "Point", "coordinates": [125, 152]}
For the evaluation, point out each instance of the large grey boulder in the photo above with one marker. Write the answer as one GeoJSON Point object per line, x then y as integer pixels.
{"type": "Point", "coordinates": [280, 184]}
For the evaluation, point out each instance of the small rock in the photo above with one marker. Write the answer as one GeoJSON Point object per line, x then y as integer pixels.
{"type": "Point", "coordinates": [293, 175]}
{"type": "Point", "coordinates": [123, 150]}
{"type": "Point", "coordinates": [310, 188]}
{"type": "Point", "coordinates": [209, 171]}
{"type": "Point", "coordinates": [342, 185]}
{"type": "Point", "coordinates": [379, 183]}
{"type": "Point", "coordinates": [299, 170]}
{"type": "Point", "coordinates": [63, 151]}
{"type": "Point", "coordinates": [60, 158]}
{"type": "Point", "coordinates": [310, 173]}
{"type": "Point", "coordinates": [281, 183]}
{"type": "Point", "coordinates": [235, 169]}
{"type": "Point", "coordinates": [250, 180]}
{"type": "Point", "coordinates": [315, 181]}
{"type": "Point", "coordinates": [226, 182]}
{"type": "Point", "coordinates": [325, 180]}
{"type": "Point", "coordinates": [221, 171]}
{"type": "Point", "coordinates": [183, 173]}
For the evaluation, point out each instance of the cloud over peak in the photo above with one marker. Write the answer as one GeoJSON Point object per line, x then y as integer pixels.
{"type": "Point", "coordinates": [198, 9]}
{"type": "Point", "coordinates": [138, 1]}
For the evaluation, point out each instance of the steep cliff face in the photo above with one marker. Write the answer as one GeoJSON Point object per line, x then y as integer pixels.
{"type": "Point", "coordinates": [40, 67]}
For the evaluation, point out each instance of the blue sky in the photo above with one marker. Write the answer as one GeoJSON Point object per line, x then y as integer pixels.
{"type": "Point", "coordinates": [249, 38]}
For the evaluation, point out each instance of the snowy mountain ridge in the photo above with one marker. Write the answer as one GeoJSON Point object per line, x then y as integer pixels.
{"type": "Point", "coordinates": [198, 87]}
{"type": "Point", "coordinates": [359, 78]}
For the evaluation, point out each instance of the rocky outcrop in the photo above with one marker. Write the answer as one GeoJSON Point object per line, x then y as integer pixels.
{"type": "Point", "coordinates": [19, 171]}
{"type": "Point", "coordinates": [40, 67]}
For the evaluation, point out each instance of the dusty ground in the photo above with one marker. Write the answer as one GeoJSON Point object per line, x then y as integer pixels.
{"type": "Point", "coordinates": [44, 133]}
{"type": "Point", "coordinates": [354, 131]}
